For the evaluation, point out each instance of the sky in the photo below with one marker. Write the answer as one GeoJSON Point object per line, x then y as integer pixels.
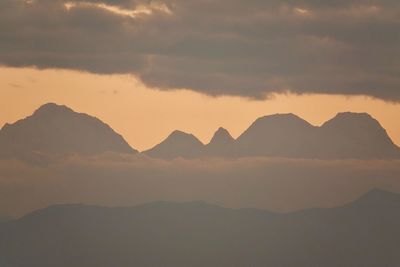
{"type": "Point", "coordinates": [148, 67]}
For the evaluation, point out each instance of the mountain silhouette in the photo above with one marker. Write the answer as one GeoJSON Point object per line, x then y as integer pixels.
{"type": "Point", "coordinates": [59, 130]}
{"type": "Point", "coordinates": [221, 144]}
{"type": "Point", "coordinates": [177, 144]}
{"type": "Point", "coordinates": [356, 135]}
{"type": "Point", "coordinates": [282, 135]}
{"type": "Point", "coordinates": [346, 136]}
{"type": "Point", "coordinates": [221, 137]}
{"type": "Point", "coordinates": [362, 233]}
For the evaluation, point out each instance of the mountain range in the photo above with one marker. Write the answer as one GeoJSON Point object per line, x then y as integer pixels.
{"type": "Point", "coordinates": [346, 136]}
{"type": "Point", "coordinates": [362, 233]}
{"type": "Point", "coordinates": [55, 129]}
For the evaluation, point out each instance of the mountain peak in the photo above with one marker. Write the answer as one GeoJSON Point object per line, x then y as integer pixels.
{"type": "Point", "coordinates": [349, 114]}
{"type": "Point", "coordinates": [277, 135]}
{"type": "Point", "coordinates": [378, 197]}
{"type": "Point", "coordinates": [52, 108]}
{"type": "Point", "coordinates": [222, 136]}
{"type": "Point", "coordinates": [279, 122]}
{"type": "Point", "coordinates": [57, 129]}
{"type": "Point", "coordinates": [357, 135]}
{"type": "Point", "coordinates": [353, 117]}
{"type": "Point", "coordinates": [177, 144]}
{"type": "Point", "coordinates": [180, 134]}
{"type": "Point", "coordinates": [282, 117]}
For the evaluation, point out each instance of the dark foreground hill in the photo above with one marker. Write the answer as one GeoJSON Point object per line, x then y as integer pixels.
{"type": "Point", "coordinates": [58, 129]}
{"type": "Point", "coordinates": [4, 219]}
{"type": "Point", "coordinates": [363, 233]}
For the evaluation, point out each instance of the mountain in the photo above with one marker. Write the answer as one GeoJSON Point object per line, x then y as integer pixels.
{"type": "Point", "coordinates": [280, 135]}
{"type": "Point", "coordinates": [221, 138]}
{"type": "Point", "coordinates": [58, 129]}
{"type": "Point", "coordinates": [346, 136]}
{"type": "Point", "coordinates": [363, 233]}
{"type": "Point", "coordinates": [221, 144]}
{"type": "Point", "coordinates": [177, 144]}
{"type": "Point", "coordinates": [356, 135]}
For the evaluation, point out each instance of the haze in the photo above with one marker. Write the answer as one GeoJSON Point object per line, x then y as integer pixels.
{"type": "Point", "coordinates": [199, 133]}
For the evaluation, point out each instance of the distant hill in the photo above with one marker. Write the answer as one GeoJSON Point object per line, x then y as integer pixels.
{"type": "Point", "coordinates": [346, 136]}
{"type": "Point", "coordinates": [59, 130]}
{"type": "Point", "coordinates": [363, 233]}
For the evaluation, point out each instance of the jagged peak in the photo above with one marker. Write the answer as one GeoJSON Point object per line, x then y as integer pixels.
{"type": "Point", "coordinates": [52, 108]}
{"type": "Point", "coordinates": [222, 136]}
{"type": "Point", "coordinates": [222, 130]}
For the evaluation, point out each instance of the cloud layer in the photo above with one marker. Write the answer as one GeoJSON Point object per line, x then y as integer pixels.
{"type": "Point", "coordinates": [248, 48]}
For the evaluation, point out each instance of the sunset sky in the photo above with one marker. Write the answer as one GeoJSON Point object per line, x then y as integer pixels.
{"type": "Point", "coordinates": [146, 116]}
{"type": "Point", "coordinates": [150, 67]}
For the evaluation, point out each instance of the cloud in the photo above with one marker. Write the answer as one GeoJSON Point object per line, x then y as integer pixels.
{"type": "Point", "coordinates": [247, 48]}
{"type": "Point", "coordinates": [123, 180]}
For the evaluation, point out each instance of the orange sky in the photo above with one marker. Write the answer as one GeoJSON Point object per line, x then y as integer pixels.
{"type": "Point", "coordinates": [146, 116]}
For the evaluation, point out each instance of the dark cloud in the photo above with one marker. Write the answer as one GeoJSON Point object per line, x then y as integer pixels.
{"type": "Point", "coordinates": [234, 47]}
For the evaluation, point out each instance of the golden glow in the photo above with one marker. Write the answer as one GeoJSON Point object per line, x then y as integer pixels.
{"type": "Point", "coordinates": [139, 10]}
{"type": "Point", "coordinates": [302, 11]}
{"type": "Point", "coordinates": [145, 117]}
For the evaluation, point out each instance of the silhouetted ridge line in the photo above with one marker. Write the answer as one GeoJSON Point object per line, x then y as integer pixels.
{"type": "Point", "coordinates": [58, 129]}
{"type": "Point", "coordinates": [362, 233]}
{"type": "Point", "coordinates": [52, 109]}
{"type": "Point", "coordinates": [177, 144]}
{"type": "Point", "coordinates": [346, 136]}
{"type": "Point", "coordinates": [55, 129]}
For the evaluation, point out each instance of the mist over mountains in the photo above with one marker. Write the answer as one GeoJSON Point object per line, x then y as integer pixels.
{"type": "Point", "coordinates": [281, 163]}
{"type": "Point", "coordinates": [60, 156]}
{"type": "Point", "coordinates": [362, 233]}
